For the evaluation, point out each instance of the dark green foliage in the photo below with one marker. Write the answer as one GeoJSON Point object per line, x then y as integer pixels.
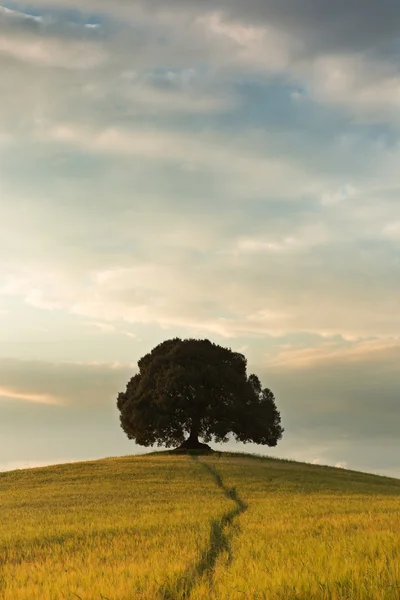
{"type": "Point", "coordinates": [197, 388]}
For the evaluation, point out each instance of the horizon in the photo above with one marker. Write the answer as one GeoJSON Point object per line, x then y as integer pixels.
{"type": "Point", "coordinates": [152, 452]}
{"type": "Point", "coordinates": [200, 170]}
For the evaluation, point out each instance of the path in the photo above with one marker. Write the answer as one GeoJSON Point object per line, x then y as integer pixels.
{"type": "Point", "coordinates": [219, 541]}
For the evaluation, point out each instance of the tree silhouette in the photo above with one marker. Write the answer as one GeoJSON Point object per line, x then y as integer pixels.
{"type": "Point", "coordinates": [186, 389]}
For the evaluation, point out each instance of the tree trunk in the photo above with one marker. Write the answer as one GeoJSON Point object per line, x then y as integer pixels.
{"type": "Point", "coordinates": [192, 443]}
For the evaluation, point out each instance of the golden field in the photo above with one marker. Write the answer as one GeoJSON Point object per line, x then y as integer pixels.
{"type": "Point", "coordinates": [221, 526]}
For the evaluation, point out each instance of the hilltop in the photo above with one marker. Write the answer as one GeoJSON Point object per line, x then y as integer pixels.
{"type": "Point", "coordinates": [219, 526]}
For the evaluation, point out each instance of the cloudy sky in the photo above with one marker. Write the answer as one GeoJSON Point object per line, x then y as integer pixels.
{"type": "Point", "coordinates": [218, 169]}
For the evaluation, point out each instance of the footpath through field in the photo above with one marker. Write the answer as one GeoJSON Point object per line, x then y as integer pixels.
{"type": "Point", "coordinates": [220, 541]}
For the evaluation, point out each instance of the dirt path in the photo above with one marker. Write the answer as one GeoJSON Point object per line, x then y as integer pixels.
{"type": "Point", "coordinates": [219, 541]}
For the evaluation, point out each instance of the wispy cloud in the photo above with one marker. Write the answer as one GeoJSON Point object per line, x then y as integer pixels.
{"type": "Point", "coordinates": [28, 397]}
{"type": "Point", "coordinates": [83, 385]}
{"type": "Point", "coordinates": [16, 14]}
{"type": "Point", "coordinates": [334, 351]}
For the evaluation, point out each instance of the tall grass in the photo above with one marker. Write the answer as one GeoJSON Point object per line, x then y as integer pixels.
{"type": "Point", "coordinates": [309, 533]}
{"type": "Point", "coordinates": [218, 527]}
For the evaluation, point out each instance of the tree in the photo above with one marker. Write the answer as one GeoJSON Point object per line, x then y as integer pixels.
{"type": "Point", "coordinates": [194, 388]}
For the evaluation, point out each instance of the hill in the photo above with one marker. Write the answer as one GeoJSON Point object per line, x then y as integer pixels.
{"type": "Point", "coordinates": [222, 526]}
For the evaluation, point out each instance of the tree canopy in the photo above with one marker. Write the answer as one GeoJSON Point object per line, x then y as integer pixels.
{"type": "Point", "coordinates": [186, 389]}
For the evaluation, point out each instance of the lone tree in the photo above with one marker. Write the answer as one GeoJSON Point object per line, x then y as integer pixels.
{"type": "Point", "coordinates": [194, 388]}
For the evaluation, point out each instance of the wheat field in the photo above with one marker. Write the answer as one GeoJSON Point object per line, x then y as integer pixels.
{"type": "Point", "coordinates": [222, 526]}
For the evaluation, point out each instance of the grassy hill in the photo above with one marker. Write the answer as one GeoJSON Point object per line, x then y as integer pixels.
{"type": "Point", "coordinates": [210, 527]}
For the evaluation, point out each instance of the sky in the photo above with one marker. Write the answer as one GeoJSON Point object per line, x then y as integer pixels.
{"type": "Point", "coordinates": [219, 170]}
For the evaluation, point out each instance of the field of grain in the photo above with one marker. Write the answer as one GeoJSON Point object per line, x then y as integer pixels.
{"type": "Point", "coordinates": [208, 527]}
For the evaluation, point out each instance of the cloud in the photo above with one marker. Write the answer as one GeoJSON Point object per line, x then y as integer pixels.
{"type": "Point", "coordinates": [332, 53]}
{"type": "Point", "coordinates": [357, 25]}
{"type": "Point", "coordinates": [80, 385]}
{"type": "Point", "coordinates": [368, 88]}
{"type": "Point", "coordinates": [15, 14]}
{"type": "Point", "coordinates": [172, 93]}
{"type": "Point", "coordinates": [108, 328]}
{"type": "Point", "coordinates": [344, 397]}
{"type": "Point", "coordinates": [202, 151]}
{"type": "Point", "coordinates": [333, 351]}
{"type": "Point", "coordinates": [36, 40]}
{"type": "Point", "coordinates": [315, 289]}
{"type": "Point", "coordinates": [258, 47]}
{"type": "Point", "coordinates": [52, 53]}
{"type": "Point", "coordinates": [28, 397]}
{"type": "Point", "coordinates": [217, 229]}
{"type": "Point", "coordinates": [230, 294]}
